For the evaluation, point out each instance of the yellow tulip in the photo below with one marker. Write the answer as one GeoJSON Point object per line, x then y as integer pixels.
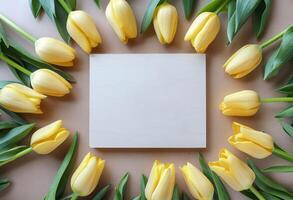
{"type": "Point", "coordinates": [255, 143]}
{"type": "Point", "coordinates": [82, 29]}
{"type": "Point", "coordinates": [121, 17]}
{"type": "Point", "coordinates": [198, 184]}
{"type": "Point", "coordinates": [203, 31]}
{"type": "Point", "coordinates": [54, 51]}
{"type": "Point", "coordinates": [49, 83]}
{"type": "Point", "coordinates": [244, 61]}
{"type": "Point", "coordinates": [165, 22]}
{"type": "Point", "coordinates": [243, 103]}
{"type": "Point", "coordinates": [47, 139]}
{"type": "Point", "coordinates": [21, 99]}
{"type": "Point", "coordinates": [87, 175]}
{"type": "Point", "coordinates": [161, 182]}
{"type": "Point", "coordinates": [233, 171]}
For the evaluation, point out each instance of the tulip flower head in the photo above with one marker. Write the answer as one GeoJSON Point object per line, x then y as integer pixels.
{"type": "Point", "coordinates": [47, 139]}
{"type": "Point", "coordinates": [165, 22]}
{"type": "Point", "coordinates": [86, 177]}
{"type": "Point", "coordinates": [54, 51]}
{"type": "Point", "coordinates": [203, 31]}
{"type": "Point", "coordinates": [255, 143]}
{"type": "Point", "coordinates": [49, 83]}
{"type": "Point", "coordinates": [244, 61]}
{"type": "Point", "coordinates": [121, 17]}
{"type": "Point", "coordinates": [243, 103]}
{"type": "Point", "coordinates": [198, 184]}
{"type": "Point", "coordinates": [82, 29]}
{"type": "Point", "coordinates": [161, 182]}
{"type": "Point", "coordinates": [233, 171]}
{"type": "Point", "coordinates": [21, 99]}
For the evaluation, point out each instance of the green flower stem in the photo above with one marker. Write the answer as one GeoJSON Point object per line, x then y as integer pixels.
{"type": "Point", "coordinates": [19, 30]}
{"type": "Point", "coordinates": [283, 154]}
{"type": "Point", "coordinates": [20, 154]}
{"type": "Point", "coordinates": [222, 7]}
{"type": "Point", "coordinates": [256, 193]}
{"type": "Point", "coordinates": [74, 196]}
{"type": "Point", "coordinates": [277, 99]}
{"type": "Point", "coordinates": [273, 39]}
{"type": "Point", "coordinates": [65, 6]}
{"type": "Point", "coordinates": [14, 64]}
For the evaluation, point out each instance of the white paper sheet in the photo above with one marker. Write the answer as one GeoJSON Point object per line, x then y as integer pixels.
{"type": "Point", "coordinates": [147, 101]}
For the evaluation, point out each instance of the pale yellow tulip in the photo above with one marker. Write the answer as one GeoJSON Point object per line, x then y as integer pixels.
{"type": "Point", "coordinates": [21, 99]}
{"type": "Point", "coordinates": [198, 184]}
{"type": "Point", "coordinates": [161, 182]}
{"type": "Point", "coordinates": [47, 139]}
{"type": "Point", "coordinates": [255, 143]}
{"type": "Point", "coordinates": [87, 175]}
{"type": "Point", "coordinates": [54, 51]}
{"type": "Point", "coordinates": [121, 17]}
{"type": "Point", "coordinates": [50, 83]}
{"type": "Point", "coordinates": [165, 22]}
{"type": "Point", "coordinates": [242, 103]}
{"type": "Point", "coordinates": [203, 31]}
{"type": "Point", "coordinates": [244, 61]}
{"type": "Point", "coordinates": [233, 171]}
{"type": "Point", "coordinates": [82, 29]}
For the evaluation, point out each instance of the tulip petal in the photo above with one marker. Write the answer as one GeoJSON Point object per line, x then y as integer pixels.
{"type": "Point", "coordinates": [46, 132]}
{"type": "Point", "coordinates": [153, 179]}
{"type": "Point", "coordinates": [26, 91]}
{"type": "Point", "coordinates": [82, 165]}
{"type": "Point", "coordinates": [157, 30]}
{"type": "Point", "coordinates": [114, 23]}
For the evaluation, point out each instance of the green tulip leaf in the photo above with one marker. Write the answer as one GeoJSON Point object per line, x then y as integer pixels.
{"type": "Point", "coordinates": [287, 128]}
{"type": "Point", "coordinates": [176, 193]}
{"type": "Point", "coordinates": [143, 182]}
{"type": "Point", "coordinates": [3, 36]}
{"type": "Point", "coordinates": [15, 117]}
{"type": "Point", "coordinates": [279, 169]}
{"type": "Point", "coordinates": [12, 154]}
{"type": "Point", "coordinates": [266, 183]}
{"type": "Point", "coordinates": [71, 4]}
{"type": "Point", "coordinates": [242, 11]}
{"type": "Point", "coordinates": [4, 183]}
{"type": "Point", "coordinates": [120, 189]}
{"type": "Point", "coordinates": [148, 16]}
{"type": "Point", "coordinates": [185, 196]}
{"type": "Point", "coordinates": [60, 21]}
{"type": "Point", "coordinates": [268, 196]}
{"type": "Point", "coordinates": [102, 193]}
{"type": "Point", "coordinates": [287, 112]}
{"type": "Point", "coordinates": [281, 56]}
{"type": "Point", "coordinates": [36, 7]}
{"type": "Point", "coordinates": [49, 7]}
{"type": "Point", "coordinates": [287, 88]}
{"type": "Point", "coordinates": [189, 6]}
{"type": "Point", "coordinates": [248, 194]}
{"type": "Point", "coordinates": [60, 180]}
{"type": "Point", "coordinates": [98, 3]}
{"type": "Point", "coordinates": [260, 17]}
{"type": "Point", "coordinates": [231, 20]}
{"type": "Point", "coordinates": [8, 125]}
{"type": "Point", "coordinates": [15, 135]}
{"type": "Point", "coordinates": [136, 198]}
{"type": "Point", "coordinates": [212, 6]}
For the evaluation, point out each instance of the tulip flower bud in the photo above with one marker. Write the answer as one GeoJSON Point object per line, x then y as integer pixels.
{"type": "Point", "coordinates": [21, 99]}
{"type": "Point", "coordinates": [244, 61]}
{"type": "Point", "coordinates": [81, 27]}
{"type": "Point", "coordinates": [203, 31]}
{"type": "Point", "coordinates": [243, 103]}
{"type": "Point", "coordinates": [255, 143]}
{"type": "Point", "coordinates": [198, 184]}
{"type": "Point", "coordinates": [47, 139]}
{"type": "Point", "coordinates": [121, 18]}
{"type": "Point", "coordinates": [165, 22]}
{"type": "Point", "coordinates": [49, 83]}
{"type": "Point", "coordinates": [87, 175]}
{"type": "Point", "coordinates": [161, 182]}
{"type": "Point", "coordinates": [233, 171]}
{"type": "Point", "coordinates": [54, 51]}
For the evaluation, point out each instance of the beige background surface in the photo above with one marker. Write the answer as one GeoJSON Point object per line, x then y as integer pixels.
{"type": "Point", "coordinates": [32, 175]}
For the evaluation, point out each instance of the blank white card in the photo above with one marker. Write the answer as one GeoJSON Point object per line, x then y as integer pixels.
{"type": "Point", "coordinates": [147, 101]}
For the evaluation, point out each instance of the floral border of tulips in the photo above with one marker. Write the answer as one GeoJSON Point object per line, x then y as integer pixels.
{"type": "Point", "coordinates": [39, 76]}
